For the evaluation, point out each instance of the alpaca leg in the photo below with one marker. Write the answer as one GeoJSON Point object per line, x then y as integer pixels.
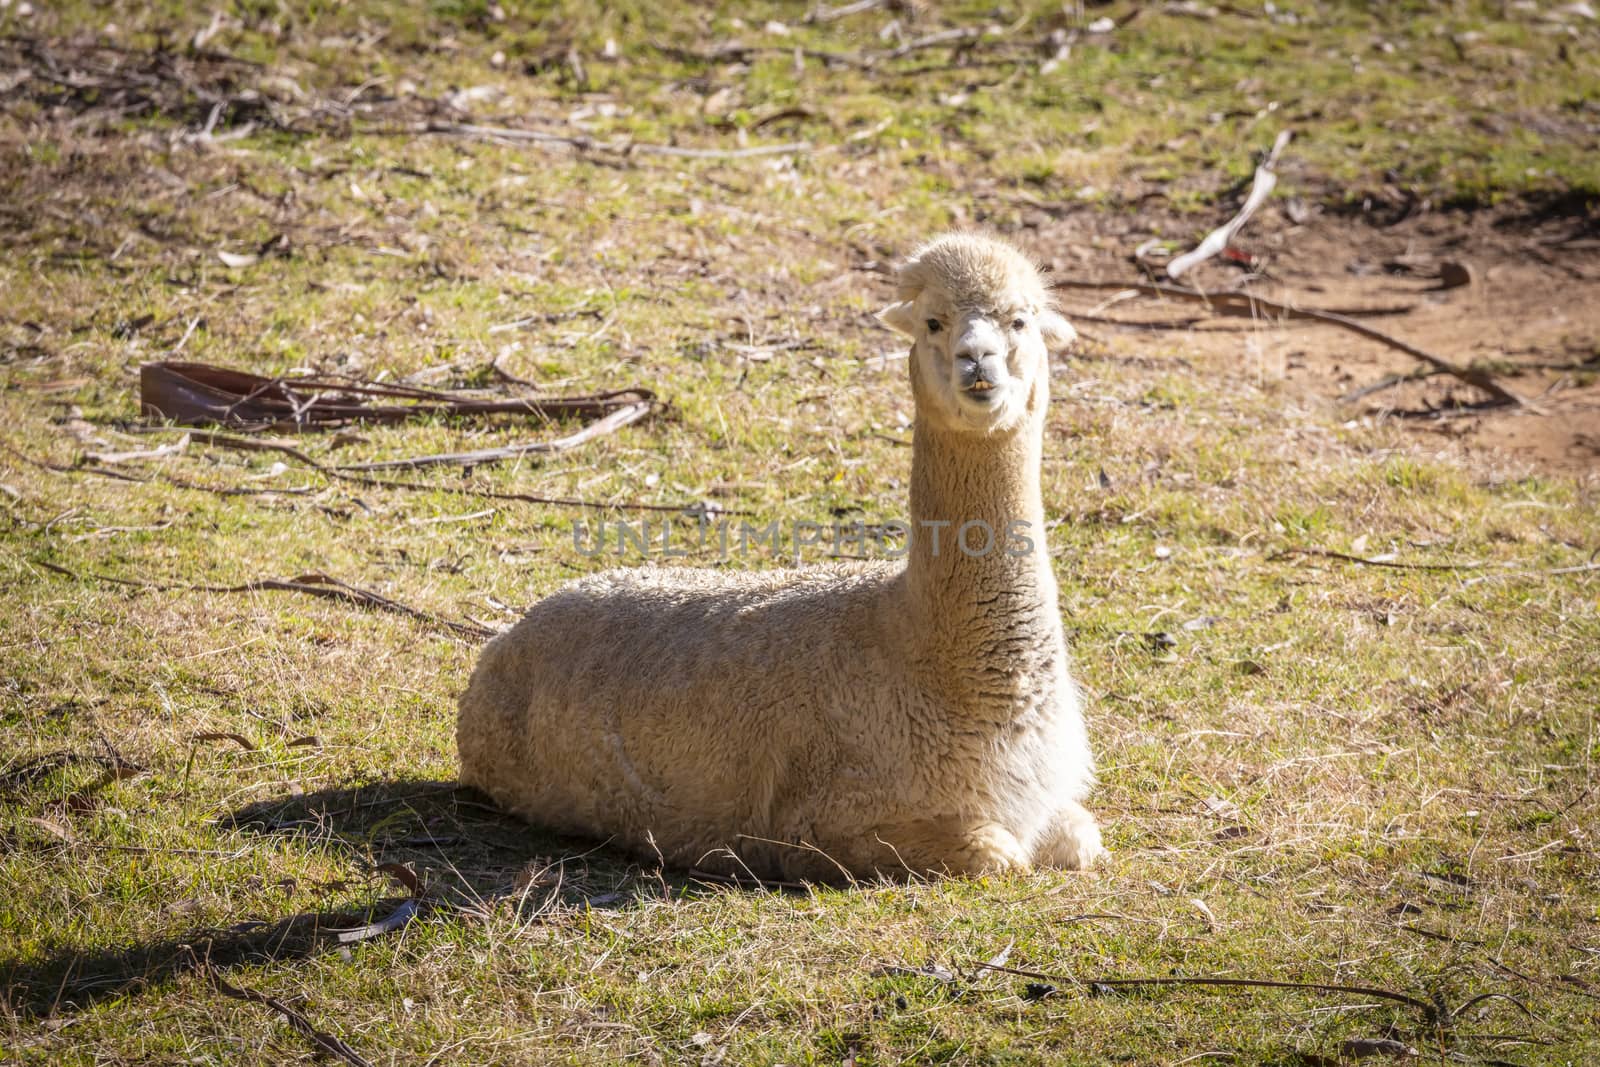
{"type": "Point", "coordinates": [1072, 840]}
{"type": "Point", "coordinates": [988, 848]}
{"type": "Point", "coordinates": [946, 846]}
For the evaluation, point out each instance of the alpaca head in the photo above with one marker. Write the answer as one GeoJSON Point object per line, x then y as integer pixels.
{"type": "Point", "coordinates": [982, 325]}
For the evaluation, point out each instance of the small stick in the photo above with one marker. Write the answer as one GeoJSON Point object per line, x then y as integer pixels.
{"type": "Point", "coordinates": [1232, 303]}
{"type": "Point", "coordinates": [149, 453]}
{"type": "Point", "coordinates": [248, 444]}
{"type": "Point", "coordinates": [589, 144]}
{"type": "Point", "coordinates": [328, 1043]}
{"type": "Point", "coordinates": [1261, 187]}
{"type": "Point", "coordinates": [1391, 564]}
{"type": "Point", "coordinates": [489, 494]}
{"type": "Point", "coordinates": [1126, 324]}
{"type": "Point", "coordinates": [1431, 1011]}
{"type": "Point", "coordinates": [828, 14]}
{"type": "Point", "coordinates": [314, 584]}
{"type": "Point", "coordinates": [728, 879]}
{"type": "Point", "coordinates": [623, 416]}
{"type": "Point", "coordinates": [242, 444]}
{"type": "Point", "coordinates": [1388, 381]}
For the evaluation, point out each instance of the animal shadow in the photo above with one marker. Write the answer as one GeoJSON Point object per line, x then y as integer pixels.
{"type": "Point", "coordinates": [458, 854]}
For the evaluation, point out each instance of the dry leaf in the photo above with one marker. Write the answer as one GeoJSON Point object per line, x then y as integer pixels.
{"type": "Point", "coordinates": [404, 875]}
{"type": "Point", "coordinates": [54, 828]}
{"type": "Point", "coordinates": [239, 739]}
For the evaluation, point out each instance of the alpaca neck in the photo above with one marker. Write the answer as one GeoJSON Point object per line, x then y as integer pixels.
{"type": "Point", "coordinates": [980, 618]}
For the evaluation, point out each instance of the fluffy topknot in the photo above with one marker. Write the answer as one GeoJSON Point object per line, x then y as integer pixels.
{"type": "Point", "coordinates": [975, 271]}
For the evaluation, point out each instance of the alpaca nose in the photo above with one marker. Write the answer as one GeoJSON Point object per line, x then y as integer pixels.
{"type": "Point", "coordinates": [978, 366]}
{"type": "Point", "coordinates": [976, 353]}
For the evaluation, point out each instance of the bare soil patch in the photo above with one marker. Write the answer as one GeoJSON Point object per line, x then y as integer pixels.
{"type": "Point", "coordinates": [1530, 315]}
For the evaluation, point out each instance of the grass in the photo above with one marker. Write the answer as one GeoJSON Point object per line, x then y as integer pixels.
{"type": "Point", "coordinates": [1313, 771]}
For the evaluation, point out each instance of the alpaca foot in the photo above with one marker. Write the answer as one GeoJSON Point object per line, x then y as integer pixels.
{"type": "Point", "coordinates": [989, 849]}
{"type": "Point", "coordinates": [986, 848]}
{"type": "Point", "coordinates": [1072, 842]}
{"type": "Point", "coordinates": [941, 846]}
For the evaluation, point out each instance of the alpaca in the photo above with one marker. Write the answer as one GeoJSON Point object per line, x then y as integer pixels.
{"type": "Point", "coordinates": [838, 721]}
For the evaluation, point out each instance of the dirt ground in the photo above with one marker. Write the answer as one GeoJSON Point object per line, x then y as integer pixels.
{"type": "Point", "coordinates": [1530, 315]}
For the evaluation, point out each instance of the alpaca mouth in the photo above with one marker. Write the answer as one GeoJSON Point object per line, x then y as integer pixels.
{"type": "Point", "coordinates": [982, 392]}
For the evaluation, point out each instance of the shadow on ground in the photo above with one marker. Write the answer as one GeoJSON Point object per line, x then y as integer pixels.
{"type": "Point", "coordinates": [470, 861]}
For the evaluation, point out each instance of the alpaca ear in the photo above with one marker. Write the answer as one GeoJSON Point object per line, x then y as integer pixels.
{"type": "Point", "coordinates": [1056, 331]}
{"type": "Point", "coordinates": [901, 316]}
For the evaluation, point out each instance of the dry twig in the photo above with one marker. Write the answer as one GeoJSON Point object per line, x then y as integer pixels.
{"type": "Point", "coordinates": [1266, 179]}
{"type": "Point", "coordinates": [624, 416]}
{"type": "Point", "coordinates": [247, 444]}
{"type": "Point", "coordinates": [1253, 305]}
{"type": "Point", "coordinates": [1326, 553]}
{"type": "Point", "coordinates": [622, 148]}
{"type": "Point", "coordinates": [327, 1042]}
{"type": "Point", "coordinates": [313, 584]}
{"type": "Point", "coordinates": [1435, 1013]}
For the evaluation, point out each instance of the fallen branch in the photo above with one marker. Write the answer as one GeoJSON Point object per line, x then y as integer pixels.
{"type": "Point", "coordinates": [1266, 179]}
{"type": "Point", "coordinates": [615, 421]}
{"type": "Point", "coordinates": [328, 1043]}
{"type": "Point", "coordinates": [1436, 1014]}
{"type": "Point", "coordinates": [241, 444]}
{"type": "Point", "coordinates": [1233, 303]}
{"type": "Point", "coordinates": [314, 584]}
{"type": "Point", "coordinates": [1389, 381]}
{"type": "Point", "coordinates": [1253, 304]}
{"type": "Point", "coordinates": [1132, 324]}
{"type": "Point", "coordinates": [192, 393]}
{"type": "Point", "coordinates": [622, 148]}
{"type": "Point", "coordinates": [740, 881]}
{"type": "Point", "coordinates": [559, 501]}
{"type": "Point", "coordinates": [1326, 553]}
{"type": "Point", "coordinates": [787, 148]}
{"type": "Point", "coordinates": [329, 588]}
{"type": "Point", "coordinates": [252, 445]}
{"type": "Point", "coordinates": [1582, 568]}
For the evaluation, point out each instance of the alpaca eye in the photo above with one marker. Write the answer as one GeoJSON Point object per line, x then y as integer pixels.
{"type": "Point", "coordinates": [1019, 323]}
{"type": "Point", "coordinates": [934, 325]}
